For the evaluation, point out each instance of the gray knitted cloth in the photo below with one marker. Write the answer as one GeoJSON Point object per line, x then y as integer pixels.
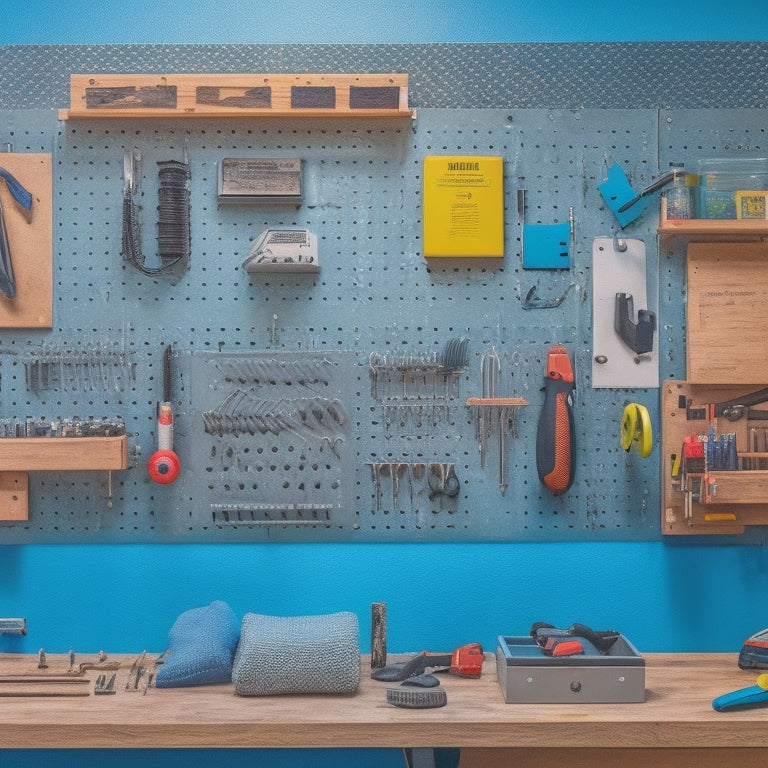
{"type": "Point", "coordinates": [297, 654]}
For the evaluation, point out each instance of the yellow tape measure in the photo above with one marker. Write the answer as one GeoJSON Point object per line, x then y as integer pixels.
{"type": "Point", "coordinates": [636, 430]}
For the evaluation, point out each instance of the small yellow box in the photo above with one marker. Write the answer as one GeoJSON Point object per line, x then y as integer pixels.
{"type": "Point", "coordinates": [463, 206]}
{"type": "Point", "coordinates": [751, 204]}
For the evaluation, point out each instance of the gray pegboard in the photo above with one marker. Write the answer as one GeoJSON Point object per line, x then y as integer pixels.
{"type": "Point", "coordinates": [556, 113]}
{"type": "Point", "coordinates": [375, 299]}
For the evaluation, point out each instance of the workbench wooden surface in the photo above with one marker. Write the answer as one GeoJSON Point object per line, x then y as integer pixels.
{"type": "Point", "coordinates": [677, 713]}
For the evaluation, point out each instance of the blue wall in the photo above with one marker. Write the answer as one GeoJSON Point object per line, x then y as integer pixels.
{"type": "Point", "coordinates": [370, 21]}
{"type": "Point", "coordinates": [665, 596]}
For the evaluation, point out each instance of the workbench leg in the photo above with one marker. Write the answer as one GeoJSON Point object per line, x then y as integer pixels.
{"type": "Point", "coordinates": [427, 757]}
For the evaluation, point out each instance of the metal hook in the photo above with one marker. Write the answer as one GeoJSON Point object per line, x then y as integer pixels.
{"type": "Point", "coordinates": [532, 301]}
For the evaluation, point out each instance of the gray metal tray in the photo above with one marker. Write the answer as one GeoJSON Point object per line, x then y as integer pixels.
{"type": "Point", "coordinates": [527, 676]}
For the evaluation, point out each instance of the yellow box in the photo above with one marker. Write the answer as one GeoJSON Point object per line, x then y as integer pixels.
{"type": "Point", "coordinates": [463, 206]}
{"type": "Point", "coordinates": [751, 204]}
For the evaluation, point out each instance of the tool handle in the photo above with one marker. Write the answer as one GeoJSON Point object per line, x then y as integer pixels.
{"type": "Point", "coordinates": [164, 465]}
{"type": "Point", "coordinates": [467, 661]}
{"type": "Point", "coordinates": [754, 695]}
{"type": "Point", "coordinates": [164, 427]}
{"type": "Point", "coordinates": [555, 436]}
{"type": "Point", "coordinates": [7, 280]}
{"type": "Point", "coordinates": [20, 194]}
{"type": "Point", "coordinates": [663, 180]}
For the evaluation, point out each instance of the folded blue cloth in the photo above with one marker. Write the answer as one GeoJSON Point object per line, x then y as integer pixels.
{"type": "Point", "coordinates": [201, 644]}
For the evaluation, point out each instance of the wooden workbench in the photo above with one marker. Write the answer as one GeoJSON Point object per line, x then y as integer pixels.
{"type": "Point", "coordinates": [676, 725]}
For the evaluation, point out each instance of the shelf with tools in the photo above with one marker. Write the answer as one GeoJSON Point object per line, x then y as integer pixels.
{"type": "Point", "coordinates": [714, 434]}
{"type": "Point", "coordinates": [713, 229]}
{"type": "Point", "coordinates": [125, 96]}
{"type": "Point", "coordinates": [715, 448]}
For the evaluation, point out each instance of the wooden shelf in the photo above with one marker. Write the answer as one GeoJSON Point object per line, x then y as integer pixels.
{"type": "Point", "coordinates": [30, 454]}
{"type": "Point", "coordinates": [713, 229]}
{"type": "Point", "coordinates": [237, 95]}
{"type": "Point", "coordinates": [21, 455]}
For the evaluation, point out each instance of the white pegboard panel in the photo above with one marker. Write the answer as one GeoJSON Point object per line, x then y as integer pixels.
{"type": "Point", "coordinates": [376, 305]}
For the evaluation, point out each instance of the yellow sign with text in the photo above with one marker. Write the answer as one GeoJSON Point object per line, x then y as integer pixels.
{"type": "Point", "coordinates": [463, 206]}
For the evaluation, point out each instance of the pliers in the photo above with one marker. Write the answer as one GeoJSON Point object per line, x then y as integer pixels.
{"type": "Point", "coordinates": [734, 409]}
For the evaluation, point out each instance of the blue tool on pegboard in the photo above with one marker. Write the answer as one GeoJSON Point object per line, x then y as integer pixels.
{"type": "Point", "coordinates": [622, 199]}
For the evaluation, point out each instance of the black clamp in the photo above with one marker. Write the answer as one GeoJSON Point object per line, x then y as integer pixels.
{"type": "Point", "coordinates": [638, 336]}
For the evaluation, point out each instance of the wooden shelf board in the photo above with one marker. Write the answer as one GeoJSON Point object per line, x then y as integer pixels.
{"type": "Point", "coordinates": [727, 293]}
{"type": "Point", "coordinates": [70, 114]}
{"type": "Point", "coordinates": [29, 454]}
{"type": "Point", "coordinates": [711, 228]}
{"type": "Point", "coordinates": [237, 95]}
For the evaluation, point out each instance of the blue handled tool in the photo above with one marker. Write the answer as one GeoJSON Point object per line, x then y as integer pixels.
{"type": "Point", "coordinates": [754, 695]}
{"type": "Point", "coordinates": [20, 195]}
{"type": "Point", "coordinates": [24, 199]}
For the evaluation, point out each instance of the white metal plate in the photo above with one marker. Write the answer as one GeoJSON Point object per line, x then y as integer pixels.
{"type": "Point", "coordinates": [619, 271]}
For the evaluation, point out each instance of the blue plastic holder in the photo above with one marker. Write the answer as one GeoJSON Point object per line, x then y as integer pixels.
{"type": "Point", "coordinates": [617, 192]}
{"type": "Point", "coordinates": [545, 246]}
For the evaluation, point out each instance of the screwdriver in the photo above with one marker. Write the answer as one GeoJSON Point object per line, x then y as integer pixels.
{"type": "Point", "coordinates": [662, 181]}
{"type": "Point", "coordinates": [164, 464]}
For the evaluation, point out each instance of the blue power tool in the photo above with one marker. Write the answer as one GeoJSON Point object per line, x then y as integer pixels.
{"type": "Point", "coordinates": [754, 652]}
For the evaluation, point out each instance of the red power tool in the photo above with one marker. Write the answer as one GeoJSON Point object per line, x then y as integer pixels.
{"type": "Point", "coordinates": [466, 661]}
{"type": "Point", "coordinates": [555, 435]}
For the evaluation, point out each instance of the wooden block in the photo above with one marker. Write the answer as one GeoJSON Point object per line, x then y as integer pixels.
{"type": "Point", "coordinates": [727, 325]}
{"type": "Point", "coordinates": [14, 496]}
{"type": "Point", "coordinates": [742, 487]}
{"type": "Point", "coordinates": [378, 635]}
{"type": "Point", "coordinates": [30, 237]}
{"type": "Point", "coordinates": [26, 454]}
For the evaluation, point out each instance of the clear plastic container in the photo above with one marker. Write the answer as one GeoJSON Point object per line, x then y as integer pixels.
{"type": "Point", "coordinates": [682, 195]}
{"type": "Point", "coordinates": [721, 179]}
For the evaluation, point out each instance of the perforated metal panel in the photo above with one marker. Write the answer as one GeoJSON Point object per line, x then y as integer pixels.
{"type": "Point", "coordinates": [375, 308]}
{"type": "Point", "coordinates": [346, 425]}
